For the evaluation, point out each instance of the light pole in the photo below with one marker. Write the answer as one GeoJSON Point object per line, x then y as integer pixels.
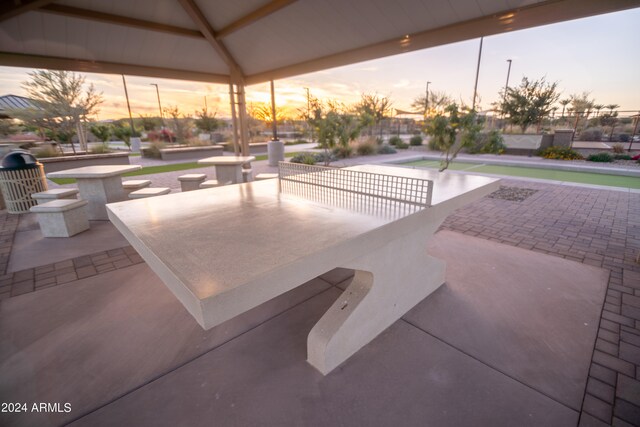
{"type": "Point", "coordinates": [159, 104]}
{"type": "Point", "coordinates": [475, 87]}
{"type": "Point", "coordinates": [309, 112]}
{"type": "Point", "coordinates": [426, 101]}
{"type": "Point", "coordinates": [506, 86]}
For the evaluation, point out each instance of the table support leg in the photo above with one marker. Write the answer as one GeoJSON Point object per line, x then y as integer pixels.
{"type": "Point", "coordinates": [388, 282]}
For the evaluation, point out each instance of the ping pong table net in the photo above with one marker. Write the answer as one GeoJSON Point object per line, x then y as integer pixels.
{"type": "Point", "coordinates": [365, 192]}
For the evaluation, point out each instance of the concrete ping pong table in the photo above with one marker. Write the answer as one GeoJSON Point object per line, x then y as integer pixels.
{"type": "Point", "coordinates": [225, 250]}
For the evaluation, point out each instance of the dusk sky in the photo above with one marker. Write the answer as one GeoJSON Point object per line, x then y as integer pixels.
{"type": "Point", "coordinates": [596, 55]}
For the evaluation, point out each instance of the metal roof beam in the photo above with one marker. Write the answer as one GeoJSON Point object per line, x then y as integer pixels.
{"type": "Point", "coordinates": [544, 13]}
{"type": "Point", "coordinates": [87, 66]}
{"type": "Point", "coordinates": [205, 28]}
{"type": "Point", "coordinates": [254, 16]}
{"type": "Point", "coordinates": [91, 15]}
{"type": "Point", "coordinates": [10, 9]}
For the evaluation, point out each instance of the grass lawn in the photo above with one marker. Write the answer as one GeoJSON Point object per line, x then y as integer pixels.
{"type": "Point", "coordinates": [149, 170]}
{"type": "Point", "coordinates": [555, 175]}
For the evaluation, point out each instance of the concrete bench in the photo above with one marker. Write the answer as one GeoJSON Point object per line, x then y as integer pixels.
{"type": "Point", "coordinates": [55, 194]}
{"type": "Point", "coordinates": [62, 217]}
{"type": "Point", "coordinates": [191, 181]}
{"type": "Point", "coordinates": [135, 185]}
{"type": "Point", "coordinates": [149, 192]}
{"type": "Point", "coordinates": [263, 176]}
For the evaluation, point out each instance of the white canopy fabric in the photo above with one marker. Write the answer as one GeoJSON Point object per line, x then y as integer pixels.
{"type": "Point", "coordinates": [253, 41]}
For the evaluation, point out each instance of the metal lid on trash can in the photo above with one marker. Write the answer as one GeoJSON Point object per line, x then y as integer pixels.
{"type": "Point", "coordinates": [17, 160]}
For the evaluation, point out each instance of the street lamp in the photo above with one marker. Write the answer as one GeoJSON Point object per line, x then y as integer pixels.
{"type": "Point", "coordinates": [506, 86]}
{"type": "Point", "coordinates": [426, 101]}
{"type": "Point", "coordinates": [159, 104]}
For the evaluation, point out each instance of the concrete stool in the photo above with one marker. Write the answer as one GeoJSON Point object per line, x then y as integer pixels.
{"type": "Point", "coordinates": [55, 194]}
{"type": "Point", "coordinates": [62, 217]}
{"type": "Point", "coordinates": [149, 192]}
{"type": "Point", "coordinates": [191, 181]}
{"type": "Point", "coordinates": [134, 185]}
{"type": "Point", "coordinates": [211, 183]}
{"type": "Point", "coordinates": [247, 175]}
{"type": "Point", "coordinates": [263, 176]}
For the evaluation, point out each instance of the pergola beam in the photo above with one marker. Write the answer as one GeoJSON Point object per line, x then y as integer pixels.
{"type": "Point", "coordinates": [10, 9]}
{"type": "Point", "coordinates": [254, 16]}
{"type": "Point", "coordinates": [91, 15]}
{"type": "Point", "coordinates": [205, 28]}
{"type": "Point", "coordinates": [87, 66]}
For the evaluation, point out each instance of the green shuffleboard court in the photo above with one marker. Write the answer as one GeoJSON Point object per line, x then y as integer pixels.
{"type": "Point", "coordinates": [550, 174]}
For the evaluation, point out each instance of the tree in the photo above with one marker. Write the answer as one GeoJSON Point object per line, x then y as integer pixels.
{"type": "Point", "coordinates": [123, 133]}
{"type": "Point", "coordinates": [582, 105]}
{"type": "Point", "coordinates": [564, 104]}
{"type": "Point", "coordinates": [438, 101]}
{"type": "Point", "coordinates": [102, 132]}
{"type": "Point", "coordinates": [336, 127]}
{"type": "Point", "coordinates": [150, 123]}
{"type": "Point", "coordinates": [372, 109]}
{"type": "Point", "coordinates": [206, 121]}
{"type": "Point", "coordinates": [452, 131]}
{"type": "Point", "coordinates": [63, 104]}
{"type": "Point", "coordinates": [530, 102]}
{"type": "Point", "coordinates": [178, 122]}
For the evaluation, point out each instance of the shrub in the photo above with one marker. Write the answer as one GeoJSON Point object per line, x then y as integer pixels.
{"type": "Point", "coordinates": [153, 150]}
{"type": "Point", "coordinates": [488, 143]}
{"type": "Point", "coordinates": [402, 145]}
{"type": "Point", "coordinates": [367, 147]}
{"type": "Point", "coordinates": [99, 149]}
{"type": "Point", "coordinates": [46, 151]}
{"type": "Point", "coordinates": [387, 149]}
{"type": "Point", "coordinates": [600, 157]}
{"type": "Point", "coordinates": [560, 153]}
{"type": "Point", "coordinates": [591, 134]}
{"type": "Point", "coordinates": [622, 157]}
{"type": "Point", "coordinates": [379, 141]}
{"type": "Point", "coordinates": [618, 148]}
{"type": "Point", "coordinates": [343, 151]}
{"type": "Point", "coordinates": [304, 158]}
{"type": "Point", "coordinates": [394, 140]}
{"type": "Point", "coordinates": [415, 140]}
{"type": "Point", "coordinates": [324, 158]}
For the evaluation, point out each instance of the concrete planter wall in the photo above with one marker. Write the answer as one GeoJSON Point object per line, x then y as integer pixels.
{"type": "Point", "coordinates": [191, 153]}
{"type": "Point", "coordinates": [254, 148]}
{"type": "Point", "coordinates": [54, 164]}
{"type": "Point", "coordinates": [526, 144]}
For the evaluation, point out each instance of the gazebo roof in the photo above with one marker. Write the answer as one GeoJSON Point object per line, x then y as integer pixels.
{"type": "Point", "coordinates": [259, 39]}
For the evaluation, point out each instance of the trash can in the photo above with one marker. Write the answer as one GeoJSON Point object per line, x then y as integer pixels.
{"type": "Point", "coordinates": [20, 176]}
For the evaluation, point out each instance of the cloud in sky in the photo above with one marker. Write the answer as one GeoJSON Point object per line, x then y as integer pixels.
{"type": "Point", "coordinates": [594, 54]}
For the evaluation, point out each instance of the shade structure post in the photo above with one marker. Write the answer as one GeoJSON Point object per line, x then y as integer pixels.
{"type": "Point", "coordinates": [234, 119]}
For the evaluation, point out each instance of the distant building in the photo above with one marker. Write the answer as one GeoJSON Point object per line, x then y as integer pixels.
{"type": "Point", "coordinates": [14, 102]}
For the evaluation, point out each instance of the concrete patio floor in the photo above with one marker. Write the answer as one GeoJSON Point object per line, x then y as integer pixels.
{"type": "Point", "coordinates": [537, 324]}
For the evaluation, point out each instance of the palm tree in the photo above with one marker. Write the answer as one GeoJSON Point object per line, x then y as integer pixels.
{"type": "Point", "coordinates": [611, 107]}
{"type": "Point", "coordinates": [598, 107]}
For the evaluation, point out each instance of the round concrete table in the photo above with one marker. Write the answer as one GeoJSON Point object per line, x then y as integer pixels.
{"type": "Point", "coordinates": [98, 185]}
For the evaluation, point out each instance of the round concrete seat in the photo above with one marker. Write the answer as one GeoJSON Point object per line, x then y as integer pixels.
{"type": "Point", "coordinates": [263, 176]}
{"type": "Point", "coordinates": [149, 192]}
{"type": "Point", "coordinates": [55, 194]}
